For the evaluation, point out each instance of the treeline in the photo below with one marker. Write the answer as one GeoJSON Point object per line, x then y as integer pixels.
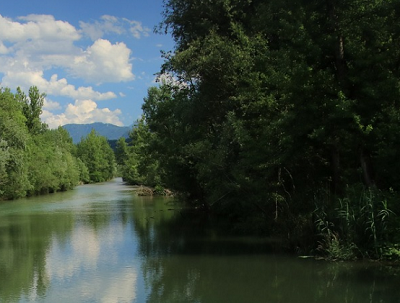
{"type": "Point", "coordinates": [282, 116]}
{"type": "Point", "coordinates": [37, 160]}
{"type": "Point", "coordinates": [136, 159]}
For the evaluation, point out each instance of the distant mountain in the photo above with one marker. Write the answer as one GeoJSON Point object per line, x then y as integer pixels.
{"type": "Point", "coordinates": [110, 131]}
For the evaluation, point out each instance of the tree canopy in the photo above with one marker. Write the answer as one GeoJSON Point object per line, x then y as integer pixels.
{"type": "Point", "coordinates": [37, 160]}
{"type": "Point", "coordinates": [277, 112]}
{"type": "Point", "coordinates": [33, 158]}
{"type": "Point", "coordinates": [98, 157]}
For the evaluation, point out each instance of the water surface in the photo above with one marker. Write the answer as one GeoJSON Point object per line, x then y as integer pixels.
{"type": "Point", "coordinates": [102, 243]}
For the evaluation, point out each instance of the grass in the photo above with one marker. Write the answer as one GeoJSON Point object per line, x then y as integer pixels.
{"type": "Point", "coordinates": [357, 225]}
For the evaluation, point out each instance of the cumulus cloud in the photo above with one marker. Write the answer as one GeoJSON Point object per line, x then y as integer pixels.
{"type": "Point", "coordinates": [137, 29]}
{"type": "Point", "coordinates": [104, 62]}
{"type": "Point", "coordinates": [35, 48]}
{"type": "Point", "coordinates": [51, 105]}
{"type": "Point", "coordinates": [36, 43]}
{"type": "Point", "coordinates": [110, 24]}
{"type": "Point", "coordinates": [3, 49]}
{"type": "Point", "coordinates": [82, 112]}
{"type": "Point", "coordinates": [37, 27]}
{"type": "Point", "coordinates": [54, 86]}
{"type": "Point", "coordinates": [106, 25]}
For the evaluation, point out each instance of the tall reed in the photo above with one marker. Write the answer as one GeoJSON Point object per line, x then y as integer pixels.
{"type": "Point", "coordinates": [356, 225]}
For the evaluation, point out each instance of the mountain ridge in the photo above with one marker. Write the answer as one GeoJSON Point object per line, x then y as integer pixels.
{"type": "Point", "coordinates": [110, 131]}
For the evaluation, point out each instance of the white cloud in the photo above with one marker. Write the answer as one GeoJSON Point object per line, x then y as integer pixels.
{"type": "Point", "coordinates": [36, 43]}
{"type": "Point", "coordinates": [81, 112]}
{"type": "Point", "coordinates": [34, 27]}
{"type": "Point", "coordinates": [3, 49]}
{"type": "Point", "coordinates": [103, 62]}
{"type": "Point", "coordinates": [55, 87]}
{"type": "Point", "coordinates": [110, 24]}
{"type": "Point", "coordinates": [51, 105]}
{"type": "Point", "coordinates": [33, 46]}
{"type": "Point", "coordinates": [96, 30]}
{"type": "Point", "coordinates": [137, 29]}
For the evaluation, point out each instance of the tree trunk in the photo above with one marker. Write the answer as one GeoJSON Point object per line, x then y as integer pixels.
{"type": "Point", "coordinates": [335, 164]}
{"type": "Point", "coordinates": [366, 166]}
{"type": "Point", "coordinates": [339, 42]}
{"type": "Point", "coordinates": [340, 65]}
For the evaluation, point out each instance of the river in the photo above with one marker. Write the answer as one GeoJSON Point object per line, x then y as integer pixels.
{"type": "Point", "coordinates": [102, 243]}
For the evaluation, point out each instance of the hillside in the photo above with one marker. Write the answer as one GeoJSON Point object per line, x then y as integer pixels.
{"type": "Point", "coordinates": [110, 131]}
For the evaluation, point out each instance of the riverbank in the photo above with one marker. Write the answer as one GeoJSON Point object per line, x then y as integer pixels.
{"type": "Point", "coordinates": [142, 190]}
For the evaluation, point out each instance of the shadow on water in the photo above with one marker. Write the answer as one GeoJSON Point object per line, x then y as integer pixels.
{"type": "Point", "coordinates": [188, 259]}
{"type": "Point", "coordinates": [179, 232]}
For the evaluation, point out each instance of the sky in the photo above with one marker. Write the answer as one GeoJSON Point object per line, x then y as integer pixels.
{"type": "Point", "coordinates": [95, 60]}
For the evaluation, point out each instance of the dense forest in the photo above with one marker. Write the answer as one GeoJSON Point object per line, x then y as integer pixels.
{"type": "Point", "coordinates": [37, 160]}
{"type": "Point", "coordinates": [281, 117]}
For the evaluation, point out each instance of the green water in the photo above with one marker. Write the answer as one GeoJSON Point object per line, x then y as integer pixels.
{"type": "Point", "coordinates": [101, 243]}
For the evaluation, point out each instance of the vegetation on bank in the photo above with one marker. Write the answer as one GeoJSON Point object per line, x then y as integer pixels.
{"type": "Point", "coordinates": [282, 117]}
{"type": "Point", "coordinates": [37, 160]}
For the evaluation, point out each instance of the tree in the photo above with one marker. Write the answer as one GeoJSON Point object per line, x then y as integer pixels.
{"type": "Point", "coordinates": [97, 155]}
{"type": "Point", "coordinates": [33, 159]}
{"type": "Point", "coordinates": [52, 167]}
{"type": "Point", "coordinates": [141, 166]}
{"type": "Point", "coordinates": [121, 151]}
{"type": "Point", "coordinates": [32, 108]}
{"type": "Point", "coordinates": [274, 102]}
{"type": "Point", "coordinates": [14, 139]}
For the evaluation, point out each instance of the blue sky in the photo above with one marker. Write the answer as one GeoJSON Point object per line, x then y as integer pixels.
{"type": "Point", "coordinates": [95, 60]}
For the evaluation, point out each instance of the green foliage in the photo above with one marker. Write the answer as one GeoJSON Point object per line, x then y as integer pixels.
{"type": "Point", "coordinates": [97, 156]}
{"type": "Point", "coordinates": [32, 108]}
{"type": "Point", "coordinates": [61, 171]}
{"type": "Point", "coordinates": [267, 103]}
{"type": "Point", "coordinates": [14, 137]}
{"type": "Point", "coordinates": [121, 151]}
{"type": "Point", "coordinates": [33, 159]}
{"type": "Point", "coordinates": [159, 190]}
{"type": "Point", "coordinates": [392, 252]}
{"type": "Point", "coordinates": [359, 224]}
{"type": "Point", "coordinates": [140, 166]}
{"type": "Point", "coordinates": [83, 171]}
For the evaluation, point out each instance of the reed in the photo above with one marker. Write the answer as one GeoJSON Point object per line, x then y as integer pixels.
{"type": "Point", "coordinates": [357, 225]}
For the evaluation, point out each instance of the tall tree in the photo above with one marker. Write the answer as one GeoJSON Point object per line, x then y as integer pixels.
{"type": "Point", "coordinates": [33, 159]}
{"type": "Point", "coordinates": [272, 102]}
{"type": "Point", "coordinates": [121, 151]}
{"type": "Point", "coordinates": [141, 166]}
{"type": "Point", "coordinates": [98, 157]}
{"type": "Point", "coordinates": [32, 108]}
{"type": "Point", "coordinates": [14, 137]}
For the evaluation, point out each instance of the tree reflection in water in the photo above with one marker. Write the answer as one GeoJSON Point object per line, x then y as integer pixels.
{"type": "Point", "coordinates": [186, 260]}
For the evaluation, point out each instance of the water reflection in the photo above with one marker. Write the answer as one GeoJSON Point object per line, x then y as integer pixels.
{"type": "Point", "coordinates": [185, 259]}
{"type": "Point", "coordinates": [65, 250]}
{"type": "Point", "coordinates": [100, 243]}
